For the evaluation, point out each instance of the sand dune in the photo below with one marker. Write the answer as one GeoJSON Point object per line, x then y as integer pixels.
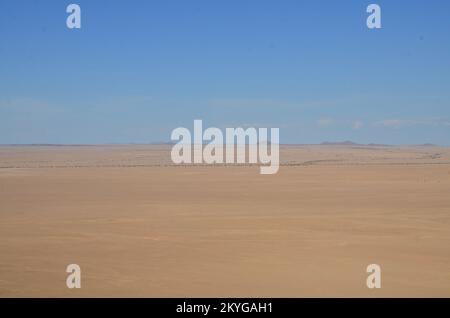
{"type": "Point", "coordinates": [139, 226]}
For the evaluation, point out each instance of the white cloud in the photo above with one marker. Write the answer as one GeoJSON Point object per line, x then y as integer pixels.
{"type": "Point", "coordinates": [325, 122]}
{"type": "Point", "coordinates": [390, 123]}
{"type": "Point", "coordinates": [28, 105]}
{"type": "Point", "coordinates": [357, 124]}
{"type": "Point", "coordinates": [400, 123]}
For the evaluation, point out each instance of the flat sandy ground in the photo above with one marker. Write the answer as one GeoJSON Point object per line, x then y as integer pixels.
{"type": "Point", "coordinates": [139, 226]}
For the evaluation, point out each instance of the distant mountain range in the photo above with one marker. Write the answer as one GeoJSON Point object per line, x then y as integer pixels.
{"type": "Point", "coordinates": [351, 143]}
{"type": "Point", "coordinates": [169, 143]}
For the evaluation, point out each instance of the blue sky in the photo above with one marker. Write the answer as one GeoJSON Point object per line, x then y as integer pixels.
{"type": "Point", "coordinates": [138, 69]}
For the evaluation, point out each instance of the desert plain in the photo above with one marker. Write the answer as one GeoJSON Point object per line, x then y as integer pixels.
{"type": "Point", "coordinates": [140, 226]}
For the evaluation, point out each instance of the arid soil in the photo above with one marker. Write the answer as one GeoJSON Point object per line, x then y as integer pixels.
{"type": "Point", "coordinates": [140, 226]}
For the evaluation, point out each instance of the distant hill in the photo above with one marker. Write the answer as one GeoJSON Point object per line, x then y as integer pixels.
{"type": "Point", "coordinates": [339, 143]}
{"type": "Point", "coordinates": [351, 143]}
{"type": "Point", "coordinates": [426, 145]}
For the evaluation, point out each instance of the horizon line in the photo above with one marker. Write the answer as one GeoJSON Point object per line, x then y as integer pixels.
{"type": "Point", "coordinates": [324, 143]}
